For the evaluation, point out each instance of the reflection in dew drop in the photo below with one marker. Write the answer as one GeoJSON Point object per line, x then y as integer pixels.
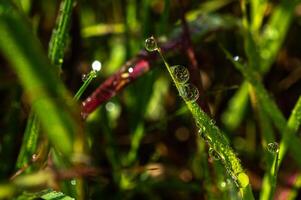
{"type": "Point", "coordinates": [189, 92]}
{"type": "Point", "coordinates": [273, 147]}
{"type": "Point", "coordinates": [243, 179]}
{"type": "Point", "coordinates": [213, 154]}
{"type": "Point", "coordinates": [151, 44]}
{"type": "Point", "coordinates": [84, 77]}
{"type": "Point", "coordinates": [180, 73]}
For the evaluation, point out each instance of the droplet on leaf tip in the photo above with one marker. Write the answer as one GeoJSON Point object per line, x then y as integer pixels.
{"type": "Point", "coordinates": [151, 44]}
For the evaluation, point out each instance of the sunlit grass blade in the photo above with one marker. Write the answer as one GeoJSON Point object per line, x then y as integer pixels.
{"type": "Point", "coordinates": [209, 131]}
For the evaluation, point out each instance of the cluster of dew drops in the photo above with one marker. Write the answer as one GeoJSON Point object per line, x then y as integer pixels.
{"type": "Point", "coordinates": [180, 73]}
{"type": "Point", "coordinates": [190, 93]}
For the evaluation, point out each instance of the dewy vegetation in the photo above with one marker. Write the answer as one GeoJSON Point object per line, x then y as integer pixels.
{"type": "Point", "coordinates": [120, 130]}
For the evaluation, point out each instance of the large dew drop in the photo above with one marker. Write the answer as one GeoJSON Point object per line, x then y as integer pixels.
{"type": "Point", "coordinates": [243, 179]}
{"type": "Point", "coordinates": [151, 44]}
{"type": "Point", "coordinates": [273, 147]}
{"type": "Point", "coordinates": [189, 92]}
{"type": "Point", "coordinates": [180, 73]}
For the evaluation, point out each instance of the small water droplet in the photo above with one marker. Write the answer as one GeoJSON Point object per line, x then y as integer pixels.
{"type": "Point", "coordinates": [223, 185]}
{"type": "Point", "coordinates": [213, 154]}
{"type": "Point", "coordinates": [180, 73]}
{"type": "Point", "coordinates": [273, 147]}
{"type": "Point", "coordinates": [243, 179]}
{"type": "Point", "coordinates": [61, 60]}
{"type": "Point", "coordinates": [73, 182]}
{"type": "Point", "coordinates": [236, 58]}
{"type": "Point", "coordinates": [189, 92]}
{"type": "Point", "coordinates": [130, 70]}
{"type": "Point", "coordinates": [96, 65]}
{"type": "Point", "coordinates": [34, 157]}
{"type": "Point", "coordinates": [84, 77]}
{"type": "Point", "coordinates": [151, 44]}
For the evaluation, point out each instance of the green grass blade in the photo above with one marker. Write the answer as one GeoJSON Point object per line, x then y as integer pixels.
{"type": "Point", "coordinates": [49, 98]}
{"type": "Point", "coordinates": [212, 134]}
{"type": "Point", "coordinates": [271, 109]}
{"type": "Point", "coordinates": [29, 143]}
{"type": "Point", "coordinates": [60, 34]}
{"type": "Point", "coordinates": [55, 53]}
{"type": "Point", "coordinates": [270, 42]}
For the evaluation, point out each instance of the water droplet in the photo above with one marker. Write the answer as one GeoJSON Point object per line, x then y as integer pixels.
{"type": "Point", "coordinates": [273, 147]}
{"type": "Point", "coordinates": [189, 92]}
{"type": "Point", "coordinates": [84, 77]}
{"type": "Point", "coordinates": [151, 44]}
{"type": "Point", "coordinates": [201, 132]}
{"type": "Point", "coordinates": [223, 185]}
{"type": "Point", "coordinates": [73, 182]}
{"type": "Point", "coordinates": [34, 157]}
{"type": "Point", "coordinates": [61, 60]}
{"type": "Point", "coordinates": [130, 70]}
{"type": "Point", "coordinates": [96, 65]}
{"type": "Point", "coordinates": [236, 58]}
{"type": "Point", "coordinates": [180, 73]}
{"type": "Point", "coordinates": [243, 179]}
{"type": "Point", "coordinates": [213, 154]}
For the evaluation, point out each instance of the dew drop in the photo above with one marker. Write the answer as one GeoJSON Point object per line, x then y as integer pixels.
{"type": "Point", "coordinates": [213, 154]}
{"type": "Point", "coordinates": [236, 58]}
{"type": "Point", "coordinates": [34, 157]}
{"type": "Point", "coordinates": [180, 73]}
{"type": "Point", "coordinates": [223, 185]}
{"type": "Point", "coordinates": [189, 92]}
{"type": "Point", "coordinates": [151, 44]}
{"type": "Point", "coordinates": [243, 179]}
{"type": "Point", "coordinates": [130, 70]}
{"type": "Point", "coordinates": [84, 77]}
{"type": "Point", "coordinates": [73, 182]}
{"type": "Point", "coordinates": [96, 65]}
{"type": "Point", "coordinates": [60, 60]}
{"type": "Point", "coordinates": [273, 147]}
